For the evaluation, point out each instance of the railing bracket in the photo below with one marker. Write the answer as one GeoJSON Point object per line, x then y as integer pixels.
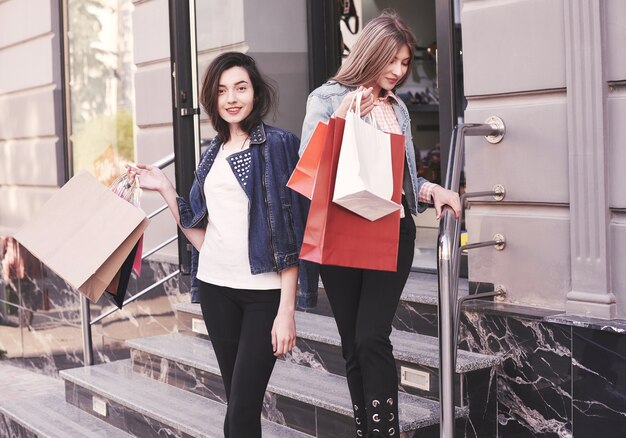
{"type": "Point", "coordinates": [500, 242]}
{"type": "Point", "coordinates": [498, 125]}
{"type": "Point", "coordinates": [499, 192]}
{"type": "Point", "coordinates": [501, 293]}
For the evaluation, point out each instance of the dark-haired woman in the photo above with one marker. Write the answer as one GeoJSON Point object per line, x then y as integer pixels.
{"type": "Point", "coordinates": [246, 227]}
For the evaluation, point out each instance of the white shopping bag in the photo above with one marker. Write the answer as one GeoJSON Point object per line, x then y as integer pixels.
{"type": "Point", "coordinates": [364, 182]}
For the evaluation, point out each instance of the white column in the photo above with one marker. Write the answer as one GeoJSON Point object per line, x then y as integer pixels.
{"type": "Point", "coordinates": [591, 292]}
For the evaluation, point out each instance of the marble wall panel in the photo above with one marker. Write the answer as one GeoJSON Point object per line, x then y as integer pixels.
{"type": "Point", "coordinates": [12, 429]}
{"type": "Point", "coordinates": [120, 416]}
{"type": "Point", "coordinates": [179, 375]}
{"type": "Point", "coordinates": [479, 390]}
{"type": "Point", "coordinates": [599, 383]}
{"type": "Point", "coordinates": [534, 381]}
{"type": "Point", "coordinates": [40, 325]}
{"type": "Point", "coordinates": [416, 318]}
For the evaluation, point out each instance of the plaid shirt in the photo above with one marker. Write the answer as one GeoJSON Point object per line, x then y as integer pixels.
{"type": "Point", "coordinates": [388, 122]}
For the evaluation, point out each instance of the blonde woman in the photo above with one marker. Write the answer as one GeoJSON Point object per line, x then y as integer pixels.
{"type": "Point", "coordinates": [364, 301]}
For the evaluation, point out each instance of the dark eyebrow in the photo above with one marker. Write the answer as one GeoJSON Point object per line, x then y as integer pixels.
{"type": "Point", "coordinates": [238, 83]}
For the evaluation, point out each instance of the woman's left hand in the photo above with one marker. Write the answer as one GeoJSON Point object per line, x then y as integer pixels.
{"type": "Point", "coordinates": [283, 333]}
{"type": "Point", "coordinates": [443, 197]}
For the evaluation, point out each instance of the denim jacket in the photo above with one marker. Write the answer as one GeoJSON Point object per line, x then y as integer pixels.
{"type": "Point", "coordinates": [277, 214]}
{"type": "Point", "coordinates": [322, 103]}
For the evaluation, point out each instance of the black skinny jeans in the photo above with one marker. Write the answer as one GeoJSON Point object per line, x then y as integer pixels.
{"type": "Point", "coordinates": [364, 303]}
{"type": "Point", "coordinates": [239, 323]}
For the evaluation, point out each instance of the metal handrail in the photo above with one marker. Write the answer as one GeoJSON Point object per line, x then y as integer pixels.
{"type": "Point", "coordinates": [138, 295]}
{"type": "Point", "coordinates": [159, 247]}
{"type": "Point", "coordinates": [157, 211]}
{"type": "Point", "coordinates": [165, 161]}
{"type": "Point", "coordinates": [448, 262]}
{"type": "Point", "coordinates": [85, 312]}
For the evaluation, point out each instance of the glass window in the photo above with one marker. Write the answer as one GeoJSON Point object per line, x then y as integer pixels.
{"type": "Point", "coordinates": [101, 88]}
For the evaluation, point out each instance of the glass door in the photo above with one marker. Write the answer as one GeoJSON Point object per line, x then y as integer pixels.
{"type": "Point", "coordinates": [274, 33]}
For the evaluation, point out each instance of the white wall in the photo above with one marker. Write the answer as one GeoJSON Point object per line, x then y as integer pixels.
{"type": "Point", "coordinates": [153, 110]}
{"type": "Point", "coordinates": [31, 158]}
{"type": "Point", "coordinates": [559, 87]}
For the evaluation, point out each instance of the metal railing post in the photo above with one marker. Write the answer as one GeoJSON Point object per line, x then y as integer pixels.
{"type": "Point", "coordinates": [85, 316]}
{"type": "Point", "coordinates": [448, 261]}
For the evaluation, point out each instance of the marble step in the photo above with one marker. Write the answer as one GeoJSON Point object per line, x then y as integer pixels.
{"type": "Point", "coordinates": [416, 312]}
{"type": "Point", "coordinates": [145, 407]}
{"type": "Point", "coordinates": [303, 397]}
{"type": "Point", "coordinates": [34, 405]}
{"type": "Point", "coordinates": [409, 347]}
{"type": "Point", "coordinates": [423, 288]}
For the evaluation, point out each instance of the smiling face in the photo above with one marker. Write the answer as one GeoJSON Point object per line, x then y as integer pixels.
{"type": "Point", "coordinates": [235, 95]}
{"type": "Point", "coordinates": [394, 71]}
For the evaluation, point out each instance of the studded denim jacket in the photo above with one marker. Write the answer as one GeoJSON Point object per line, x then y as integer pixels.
{"type": "Point", "coordinates": [322, 103]}
{"type": "Point", "coordinates": [277, 214]}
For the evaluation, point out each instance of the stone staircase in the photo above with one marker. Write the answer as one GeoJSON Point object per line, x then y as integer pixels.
{"type": "Point", "coordinates": [171, 385]}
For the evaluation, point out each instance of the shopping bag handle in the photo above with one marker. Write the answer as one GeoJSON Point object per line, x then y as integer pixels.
{"type": "Point", "coordinates": [126, 189]}
{"type": "Point", "coordinates": [358, 96]}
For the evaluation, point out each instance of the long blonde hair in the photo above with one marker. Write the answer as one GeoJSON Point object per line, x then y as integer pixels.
{"type": "Point", "coordinates": [375, 48]}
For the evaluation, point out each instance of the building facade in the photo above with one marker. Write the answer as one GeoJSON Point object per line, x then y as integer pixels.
{"type": "Point", "coordinates": [552, 70]}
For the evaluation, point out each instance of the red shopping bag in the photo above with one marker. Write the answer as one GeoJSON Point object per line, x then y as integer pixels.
{"type": "Point", "coordinates": [302, 179]}
{"type": "Point", "coordinates": [337, 236]}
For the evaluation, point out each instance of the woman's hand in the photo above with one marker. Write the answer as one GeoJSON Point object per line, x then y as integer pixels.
{"type": "Point", "coordinates": [283, 333]}
{"type": "Point", "coordinates": [367, 102]}
{"type": "Point", "coordinates": [443, 197]}
{"type": "Point", "coordinates": [149, 177]}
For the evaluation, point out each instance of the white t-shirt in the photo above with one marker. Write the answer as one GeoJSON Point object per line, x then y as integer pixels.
{"type": "Point", "coordinates": [224, 259]}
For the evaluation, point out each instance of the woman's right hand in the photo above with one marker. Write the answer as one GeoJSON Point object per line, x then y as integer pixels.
{"type": "Point", "coordinates": [149, 177]}
{"type": "Point", "coordinates": [367, 102]}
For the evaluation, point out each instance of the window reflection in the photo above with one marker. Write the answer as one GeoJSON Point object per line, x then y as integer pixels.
{"type": "Point", "coordinates": [101, 85]}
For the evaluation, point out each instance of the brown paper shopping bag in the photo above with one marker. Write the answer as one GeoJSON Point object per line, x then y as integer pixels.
{"type": "Point", "coordinates": [84, 233]}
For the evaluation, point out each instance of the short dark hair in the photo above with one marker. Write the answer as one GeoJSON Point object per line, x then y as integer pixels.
{"type": "Point", "coordinates": [264, 92]}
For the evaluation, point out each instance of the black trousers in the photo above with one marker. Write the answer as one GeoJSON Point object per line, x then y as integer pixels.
{"type": "Point", "coordinates": [239, 323]}
{"type": "Point", "coordinates": [364, 303]}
